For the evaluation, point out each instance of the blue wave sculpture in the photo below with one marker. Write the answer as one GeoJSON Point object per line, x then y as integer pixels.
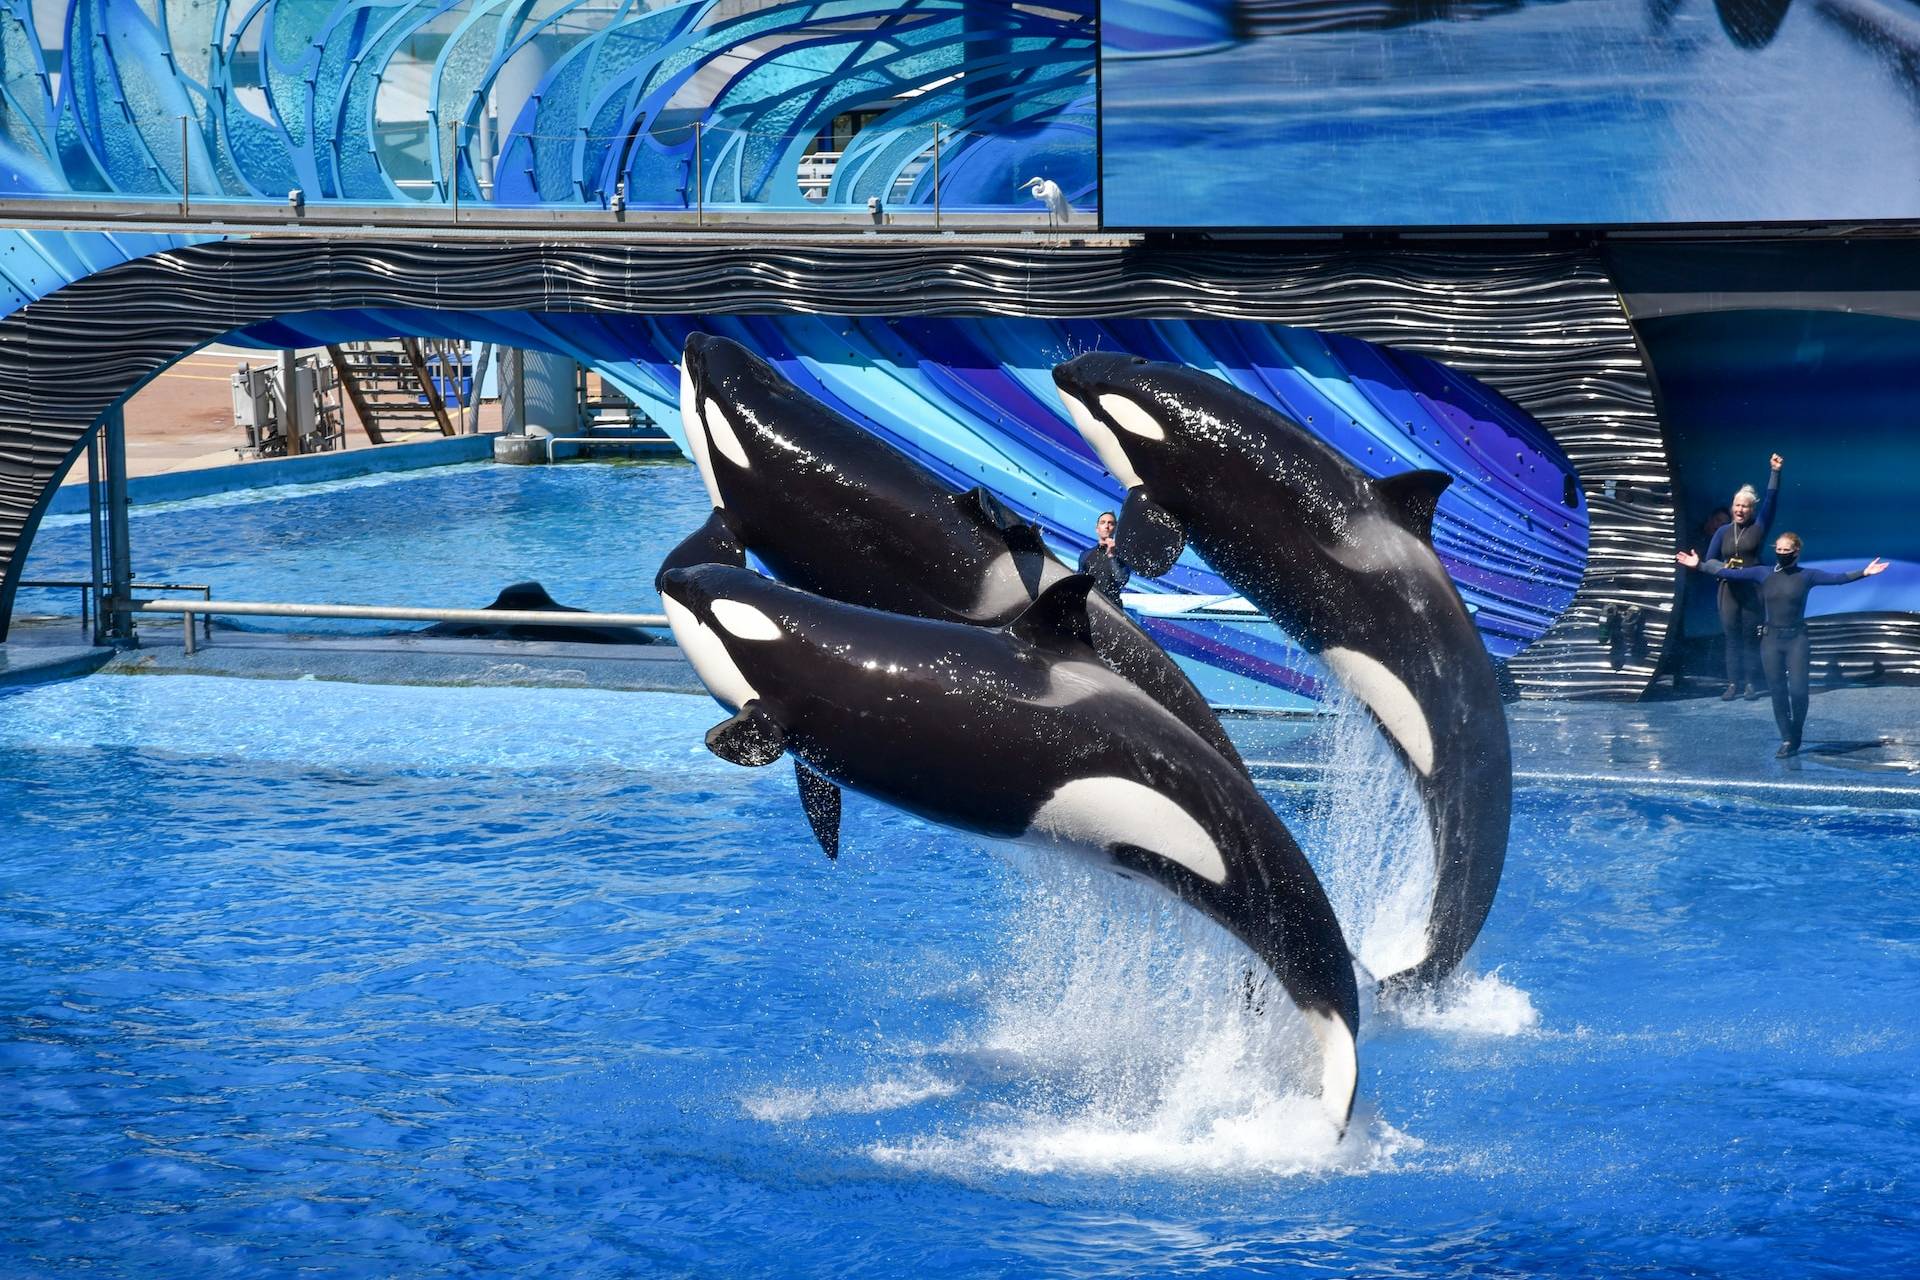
{"type": "Point", "coordinates": [973, 400]}
{"type": "Point", "coordinates": [555, 104]}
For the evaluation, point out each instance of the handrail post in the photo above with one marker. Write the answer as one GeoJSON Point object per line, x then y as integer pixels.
{"type": "Point", "coordinates": [453, 142]}
{"type": "Point", "coordinates": [119, 542]}
{"type": "Point", "coordinates": [96, 586]}
{"type": "Point", "coordinates": [186, 632]}
{"type": "Point", "coordinates": [186, 172]}
{"type": "Point", "coordinates": [936, 175]}
{"type": "Point", "coordinates": [699, 187]}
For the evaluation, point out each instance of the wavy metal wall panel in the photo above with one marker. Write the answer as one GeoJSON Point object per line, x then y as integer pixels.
{"type": "Point", "coordinates": [1545, 329]}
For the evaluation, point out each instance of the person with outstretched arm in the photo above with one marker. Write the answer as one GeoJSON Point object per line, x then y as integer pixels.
{"type": "Point", "coordinates": [1737, 545]}
{"type": "Point", "coordinates": [1102, 561]}
{"type": "Point", "coordinates": [1783, 647]}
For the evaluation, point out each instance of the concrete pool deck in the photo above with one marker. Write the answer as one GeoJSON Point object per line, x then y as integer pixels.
{"type": "Point", "coordinates": [1862, 748]}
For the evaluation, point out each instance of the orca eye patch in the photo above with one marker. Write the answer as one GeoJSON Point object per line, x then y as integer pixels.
{"type": "Point", "coordinates": [744, 622]}
{"type": "Point", "coordinates": [1131, 418]}
{"type": "Point", "coordinates": [720, 428]}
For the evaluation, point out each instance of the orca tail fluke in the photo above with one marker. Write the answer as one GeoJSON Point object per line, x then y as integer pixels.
{"type": "Point", "coordinates": [1339, 1063]}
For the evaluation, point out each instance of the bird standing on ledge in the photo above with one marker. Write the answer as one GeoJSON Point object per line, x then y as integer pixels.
{"type": "Point", "coordinates": [1047, 190]}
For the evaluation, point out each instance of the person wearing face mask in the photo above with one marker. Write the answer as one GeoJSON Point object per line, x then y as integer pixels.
{"type": "Point", "coordinates": [1102, 562]}
{"type": "Point", "coordinates": [1737, 545]}
{"type": "Point", "coordinates": [1783, 647]}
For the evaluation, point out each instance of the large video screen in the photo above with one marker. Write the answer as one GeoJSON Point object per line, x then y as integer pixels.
{"type": "Point", "coordinates": [1505, 113]}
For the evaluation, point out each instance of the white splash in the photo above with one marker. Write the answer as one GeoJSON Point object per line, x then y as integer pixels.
{"type": "Point", "coordinates": [1482, 1004]}
{"type": "Point", "coordinates": [1126, 1034]}
{"type": "Point", "coordinates": [1370, 842]}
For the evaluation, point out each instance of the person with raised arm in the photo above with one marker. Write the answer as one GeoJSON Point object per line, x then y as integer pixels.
{"type": "Point", "coordinates": [1737, 545]}
{"type": "Point", "coordinates": [1783, 646]}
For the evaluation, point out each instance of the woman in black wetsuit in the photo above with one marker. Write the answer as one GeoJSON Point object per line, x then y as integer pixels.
{"type": "Point", "coordinates": [1737, 545]}
{"type": "Point", "coordinates": [1783, 650]}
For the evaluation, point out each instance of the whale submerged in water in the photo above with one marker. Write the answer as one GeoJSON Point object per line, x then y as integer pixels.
{"type": "Point", "coordinates": [1346, 564]}
{"type": "Point", "coordinates": [829, 508]}
{"type": "Point", "coordinates": [1019, 733]}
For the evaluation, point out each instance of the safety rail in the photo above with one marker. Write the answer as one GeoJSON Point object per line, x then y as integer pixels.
{"type": "Point", "coordinates": [382, 613]}
{"type": "Point", "coordinates": [87, 587]}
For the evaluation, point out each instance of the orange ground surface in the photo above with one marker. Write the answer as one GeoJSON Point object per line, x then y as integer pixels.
{"type": "Point", "coordinates": [183, 419]}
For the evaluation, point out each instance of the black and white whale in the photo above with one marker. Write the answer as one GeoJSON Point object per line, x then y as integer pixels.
{"type": "Point", "coordinates": [1018, 733]}
{"type": "Point", "coordinates": [1346, 564]}
{"type": "Point", "coordinates": [828, 507]}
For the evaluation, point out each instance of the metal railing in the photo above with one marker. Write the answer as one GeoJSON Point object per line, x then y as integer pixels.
{"type": "Point", "coordinates": [189, 609]}
{"type": "Point", "coordinates": [88, 589]}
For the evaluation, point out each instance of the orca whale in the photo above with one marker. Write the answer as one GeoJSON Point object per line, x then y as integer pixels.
{"type": "Point", "coordinates": [1346, 565]}
{"type": "Point", "coordinates": [1018, 733]}
{"type": "Point", "coordinates": [531, 597]}
{"type": "Point", "coordinates": [829, 508]}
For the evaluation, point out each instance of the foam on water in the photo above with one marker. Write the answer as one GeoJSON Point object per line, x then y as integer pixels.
{"type": "Point", "coordinates": [788, 1105]}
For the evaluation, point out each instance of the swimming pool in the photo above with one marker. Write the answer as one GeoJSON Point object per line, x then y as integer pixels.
{"type": "Point", "coordinates": [450, 538]}
{"type": "Point", "coordinates": [363, 980]}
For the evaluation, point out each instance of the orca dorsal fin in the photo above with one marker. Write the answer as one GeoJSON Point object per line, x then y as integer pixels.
{"type": "Point", "coordinates": [820, 800]}
{"type": "Point", "coordinates": [1059, 613]}
{"type": "Point", "coordinates": [750, 737]}
{"type": "Point", "coordinates": [1149, 537]}
{"type": "Point", "coordinates": [715, 542]}
{"type": "Point", "coordinates": [1412, 496]}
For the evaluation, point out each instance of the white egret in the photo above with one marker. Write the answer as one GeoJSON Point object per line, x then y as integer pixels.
{"type": "Point", "coordinates": [1048, 191]}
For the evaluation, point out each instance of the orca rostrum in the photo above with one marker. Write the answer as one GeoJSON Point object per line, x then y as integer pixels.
{"type": "Point", "coordinates": [828, 507]}
{"type": "Point", "coordinates": [1345, 563]}
{"type": "Point", "coordinates": [1018, 733]}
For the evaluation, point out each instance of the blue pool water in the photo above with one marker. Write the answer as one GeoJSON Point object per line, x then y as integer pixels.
{"type": "Point", "coordinates": [1602, 112]}
{"type": "Point", "coordinates": [448, 538]}
{"type": "Point", "coordinates": [345, 980]}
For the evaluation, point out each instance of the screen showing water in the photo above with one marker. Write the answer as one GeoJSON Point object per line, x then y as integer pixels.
{"type": "Point", "coordinates": [325, 979]}
{"type": "Point", "coordinates": [1275, 113]}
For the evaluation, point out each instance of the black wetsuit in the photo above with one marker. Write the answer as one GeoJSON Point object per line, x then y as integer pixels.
{"type": "Point", "coordinates": [1740, 546]}
{"type": "Point", "coordinates": [1783, 650]}
{"type": "Point", "coordinates": [1108, 571]}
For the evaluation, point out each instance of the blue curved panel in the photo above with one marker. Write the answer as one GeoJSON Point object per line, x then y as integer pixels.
{"type": "Point", "coordinates": [559, 103]}
{"type": "Point", "coordinates": [973, 400]}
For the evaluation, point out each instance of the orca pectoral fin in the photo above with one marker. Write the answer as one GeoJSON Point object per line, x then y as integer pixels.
{"type": "Point", "coordinates": [989, 508]}
{"type": "Point", "coordinates": [715, 542]}
{"type": "Point", "coordinates": [821, 801]}
{"type": "Point", "coordinates": [1022, 537]}
{"type": "Point", "coordinates": [749, 738]}
{"type": "Point", "coordinates": [1025, 540]}
{"type": "Point", "coordinates": [1149, 538]}
{"type": "Point", "coordinates": [1057, 616]}
{"type": "Point", "coordinates": [1412, 497]}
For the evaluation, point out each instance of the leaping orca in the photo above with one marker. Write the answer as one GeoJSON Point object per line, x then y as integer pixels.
{"type": "Point", "coordinates": [1019, 733]}
{"type": "Point", "coordinates": [829, 508]}
{"type": "Point", "coordinates": [1346, 564]}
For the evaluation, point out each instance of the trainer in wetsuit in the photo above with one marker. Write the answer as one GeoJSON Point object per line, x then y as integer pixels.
{"type": "Point", "coordinates": [1783, 649]}
{"type": "Point", "coordinates": [1102, 563]}
{"type": "Point", "coordinates": [1737, 545]}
